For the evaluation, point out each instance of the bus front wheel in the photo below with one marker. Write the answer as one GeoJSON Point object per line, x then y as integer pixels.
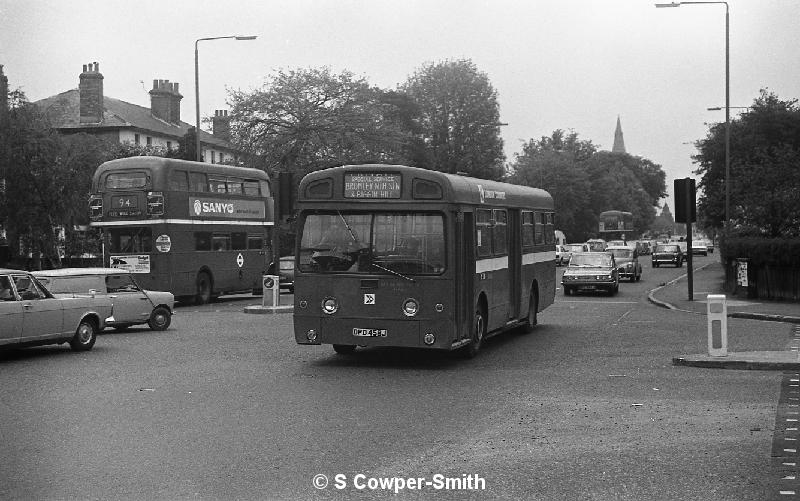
{"type": "Point", "coordinates": [203, 295]}
{"type": "Point", "coordinates": [478, 331]}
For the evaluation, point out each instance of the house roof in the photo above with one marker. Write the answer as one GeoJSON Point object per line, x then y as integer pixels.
{"type": "Point", "coordinates": [64, 112]}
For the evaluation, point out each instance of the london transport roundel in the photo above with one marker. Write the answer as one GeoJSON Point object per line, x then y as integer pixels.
{"type": "Point", "coordinates": [240, 260]}
{"type": "Point", "coordinates": [268, 283]}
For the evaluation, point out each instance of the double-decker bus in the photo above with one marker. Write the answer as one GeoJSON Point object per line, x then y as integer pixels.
{"type": "Point", "coordinates": [391, 255]}
{"type": "Point", "coordinates": [615, 225]}
{"type": "Point", "coordinates": [195, 229]}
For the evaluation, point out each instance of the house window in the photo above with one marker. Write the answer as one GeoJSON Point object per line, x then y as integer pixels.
{"type": "Point", "coordinates": [149, 141]}
{"type": "Point", "coordinates": [136, 139]}
{"type": "Point", "coordinates": [169, 145]}
{"type": "Point", "coordinates": [213, 157]}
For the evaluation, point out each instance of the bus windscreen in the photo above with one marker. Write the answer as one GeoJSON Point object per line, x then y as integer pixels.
{"type": "Point", "coordinates": [406, 243]}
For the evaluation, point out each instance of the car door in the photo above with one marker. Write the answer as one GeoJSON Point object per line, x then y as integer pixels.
{"type": "Point", "coordinates": [10, 313]}
{"type": "Point", "coordinates": [131, 305]}
{"type": "Point", "coordinates": [42, 316]}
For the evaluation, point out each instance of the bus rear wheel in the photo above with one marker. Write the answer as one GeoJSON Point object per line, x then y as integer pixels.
{"type": "Point", "coordinates": [533, 309]}
{"type": "Point", "coordinates": [203, 295]}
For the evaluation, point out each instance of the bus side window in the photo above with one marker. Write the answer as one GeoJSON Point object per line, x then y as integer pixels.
{"type": "Point", "coordinates": [235, 185]}
{"type": "Point", "coordinates": [539, 228]}
{"type": "Point", "coordinates": [216, 185]}
{"type": "Point", "coordinates": [499, 232]}
{"type": "Point", "coordinates": [197, 182]}
{"type": "Point", "coordinates": [239, 241]}
{"type": "Point", "coordinates": [549, 229]}
{"type": "Point", "coordinates": [251, 187]}
{"type": "Point", "coordinates": [221, 241]}
{"type": "Point", "coordinates": [202, 241]}
{"type": "Point", "coordinates": [527, 229]}
{"type": "Point", "coordinates": [483, 228]}
{"type": "Point", "coordinates": [255, 242]}
{"type": "Point", "coordinates": [178, 181]}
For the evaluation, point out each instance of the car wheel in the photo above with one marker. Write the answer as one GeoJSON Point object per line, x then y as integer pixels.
{"type": "Point", "coordinates": [203, 295]}
{"type": "Point", "coordinates": [344, 349]}
{"type": "Point", "coordinates": [567, 290]}
{"type": "Point", "coordinates": [160, 319]}
{"type": "Point", "coordinates": [478, 331]}
{"type": "Point", "coordinates": [85, 336]}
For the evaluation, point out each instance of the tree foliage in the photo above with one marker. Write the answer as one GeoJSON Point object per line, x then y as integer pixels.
{"type": "Point", "coordinates": [458, 118]}
{"type": "Point", "coordinates": [585, 182]}
{"type": "Point", "coordinates": [764, 172]}
{"type": "Point", "coordinates": [306, 119]}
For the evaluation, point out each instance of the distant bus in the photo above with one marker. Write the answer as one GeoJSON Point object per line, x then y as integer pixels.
{"type": "Point", "coordinates": [195, 229]}
{"type": "Point", "coordinates": [390, 255]}
{"type": "Point", "coordinates": [616, 225]}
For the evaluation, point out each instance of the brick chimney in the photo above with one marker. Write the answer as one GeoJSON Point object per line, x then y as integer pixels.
{"type": "Point", "coordinates": [165, 101]}
{"type": "Point", "coordinates": [90, 89]}
{"type": "Point", "coordinates": [221, 125]}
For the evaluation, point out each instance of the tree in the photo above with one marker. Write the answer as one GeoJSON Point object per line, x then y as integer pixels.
{"type": "Point", "coordinates": [585, 182]}
{"type": "Point", "coordinates": [307, 119]}
{"type": "Point", "coordinates": [459, 118]}
{"type": "Point", "coordinates": [553, 163]}
{"type": "Point", "coordinates": [764, 173]}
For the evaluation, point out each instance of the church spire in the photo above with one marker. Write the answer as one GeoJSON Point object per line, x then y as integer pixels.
{"type": "Point", "coordinates": [619, 143]}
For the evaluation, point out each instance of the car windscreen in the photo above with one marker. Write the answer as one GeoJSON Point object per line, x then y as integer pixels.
{"type": "Point", "coordinates": [621, 253]}
{"type": "Point", "coordinates": [590, 260]}
{"type": "Point", "coordinates": [667, 248]}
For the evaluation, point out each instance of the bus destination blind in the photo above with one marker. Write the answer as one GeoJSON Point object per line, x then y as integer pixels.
{"type": "Point", "coordinates": [371, 185]}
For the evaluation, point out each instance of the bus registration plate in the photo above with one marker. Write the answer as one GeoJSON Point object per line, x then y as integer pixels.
{"type": "Point", "coordinates": [370, 332]}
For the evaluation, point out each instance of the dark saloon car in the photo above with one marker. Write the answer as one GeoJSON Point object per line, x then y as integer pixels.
{"type": "Point", "coordinates": [591, 271]}
{"type": "Point", "coordinates": [627, 262]}
{"type": "Point", "coordinates": [667, 254]}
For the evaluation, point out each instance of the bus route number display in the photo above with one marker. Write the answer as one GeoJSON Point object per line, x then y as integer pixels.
{"type": "Point", "coordinates": [371, 185]}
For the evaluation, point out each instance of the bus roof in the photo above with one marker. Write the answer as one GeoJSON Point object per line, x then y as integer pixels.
{"type": "Point", "coordinates": [161, 163]}
{"type": "Point", "coordinates": [455, 188]}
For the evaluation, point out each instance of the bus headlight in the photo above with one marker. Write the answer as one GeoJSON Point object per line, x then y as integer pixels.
{"type": "Point", "coordinates": [410, 307]}
{"type": "Point", "coordinates": [330, 305]}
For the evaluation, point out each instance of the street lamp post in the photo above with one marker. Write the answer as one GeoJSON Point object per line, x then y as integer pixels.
{"type": "Point", "coordinates": [198, 146]}
{"type": "Point", "coordinates": [727, 103]}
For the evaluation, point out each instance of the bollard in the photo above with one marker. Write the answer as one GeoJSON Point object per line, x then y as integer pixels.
{"type": "Point", "coordinates": [717, 312]}
{"type": "Point", "coordinates": [272, 290]}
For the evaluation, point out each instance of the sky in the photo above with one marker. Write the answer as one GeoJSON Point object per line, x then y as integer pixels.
{"type": "Point", "coordinates": [555, 64]}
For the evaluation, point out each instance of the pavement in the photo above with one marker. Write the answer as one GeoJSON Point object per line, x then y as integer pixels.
{"type": "Point", "coordinates": [709, 279]}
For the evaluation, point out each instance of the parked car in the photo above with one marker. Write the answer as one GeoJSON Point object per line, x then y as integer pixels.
{"type": "Point", "coordinates": [699, 247]}
{"type": "Point", "coordinates": [558, 255]}
{"type": "Point", "coordinates": [627, 263]}
{"type": "Point", "coordinates": [31, 315]}
{"type": "Point", "coordinates": [667, 254]}
{"type": "Point", "coordinates": [710, 246]}
{"type": "Point", "coordinates": [132, 304]}
{"type": "Point", "coordinates": [591, 271]}
{"type": "Point", "coordinates": [643, 247]}
{"type": "Point", "coordinates": [569, 249]}
{"type": "Point", "coordinates": [285, 272]}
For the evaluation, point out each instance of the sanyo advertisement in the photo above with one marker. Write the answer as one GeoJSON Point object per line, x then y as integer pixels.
{"type": "Point", "coordinates": [215, 208]}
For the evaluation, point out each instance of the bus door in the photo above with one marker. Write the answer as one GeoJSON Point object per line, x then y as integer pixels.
{"type": "Point", "coordinates": [514, 263]}
{"type": "Point", "coordinates": [465, 274]}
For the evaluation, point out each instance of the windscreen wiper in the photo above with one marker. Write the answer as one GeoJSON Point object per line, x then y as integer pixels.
{"type": "Point", "coordinates": [393, 272]}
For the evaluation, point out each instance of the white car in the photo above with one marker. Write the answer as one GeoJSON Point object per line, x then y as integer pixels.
{"type": "Point", "coordinates": [132, 304]}
{"type": "Point", "coordinates": [30, 315]}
